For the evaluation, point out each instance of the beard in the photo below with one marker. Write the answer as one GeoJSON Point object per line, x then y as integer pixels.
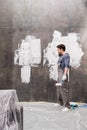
{"type": "Point", "coordinates": [60, 54]}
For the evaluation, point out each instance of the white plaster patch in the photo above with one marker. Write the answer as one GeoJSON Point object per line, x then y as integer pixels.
{"type": "Point", "coordinates": [28, 54]}
{"type": "Point", "coordinates": [26, 74]}
{"type": "Point", "coordinates": [36, 52]}
{"type": "Point", "coordinates": [72, 47]}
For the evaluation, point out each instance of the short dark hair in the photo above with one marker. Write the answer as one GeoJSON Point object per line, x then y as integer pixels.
{"type": "Point", "coordinates": [61, 46]}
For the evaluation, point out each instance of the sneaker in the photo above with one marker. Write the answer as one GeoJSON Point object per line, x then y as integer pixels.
{"type": "Point", "coordinates": [65, 109]}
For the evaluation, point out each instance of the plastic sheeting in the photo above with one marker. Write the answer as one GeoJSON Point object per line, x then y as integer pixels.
{"type": "Point", "coordinates": [49, 116]}
{"type": "Point", "coordinates": [8, 110]}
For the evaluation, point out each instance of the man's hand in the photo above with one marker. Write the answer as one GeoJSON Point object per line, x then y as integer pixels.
{"type": "Point", "coordinates": [64, 77]}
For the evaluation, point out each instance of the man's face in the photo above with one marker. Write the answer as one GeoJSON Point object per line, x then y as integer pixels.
{"type": "Point", "coordinates": [59, 51]}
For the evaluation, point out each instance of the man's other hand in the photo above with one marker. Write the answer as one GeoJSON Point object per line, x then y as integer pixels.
{"type": "Point", "coordinates": [64, 77]}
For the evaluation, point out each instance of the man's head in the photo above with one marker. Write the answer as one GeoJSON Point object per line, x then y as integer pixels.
{"type": "Point", "coordinates": [61, 49]}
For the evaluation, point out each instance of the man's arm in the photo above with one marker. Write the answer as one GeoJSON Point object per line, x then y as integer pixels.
{"type": "Point", "coordinates": [66, 69]}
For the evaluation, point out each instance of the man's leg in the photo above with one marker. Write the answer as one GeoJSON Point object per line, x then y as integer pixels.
{"type": "Point", "coordinates": [59, 97]}
{"type": "Point", "coordinates": [65, 94]}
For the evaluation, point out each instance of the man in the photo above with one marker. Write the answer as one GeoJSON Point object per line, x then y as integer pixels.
{"type": "Point", "coordinates": [63, 77]}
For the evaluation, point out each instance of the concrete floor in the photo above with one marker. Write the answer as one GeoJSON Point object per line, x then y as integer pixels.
{"type": "Point", "coordinates": [48, 116]}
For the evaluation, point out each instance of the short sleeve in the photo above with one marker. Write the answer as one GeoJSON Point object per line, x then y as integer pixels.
{"type": "Point", "coordinates": [67, 61]}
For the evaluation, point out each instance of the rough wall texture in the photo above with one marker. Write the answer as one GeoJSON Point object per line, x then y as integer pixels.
{"type": "Point", "coordinates": [40, 18]}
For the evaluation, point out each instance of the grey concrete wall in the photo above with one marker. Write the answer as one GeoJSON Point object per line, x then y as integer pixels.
{"type": "Point", "coordinates": [40, 18]}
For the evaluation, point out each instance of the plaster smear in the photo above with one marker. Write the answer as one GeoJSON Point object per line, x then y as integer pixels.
{"type": "Point", "coordinates": [26, 74]}
{"type": "Point", "coordinates": [28, 54]}
{"type": "Point", "coordinates": [72, 47]}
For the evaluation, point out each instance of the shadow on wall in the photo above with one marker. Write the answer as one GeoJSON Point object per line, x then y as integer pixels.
{"type": "Point", "coordinates": [85, 2]}
{"type": "Point", "coordinates": [78, 86]}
